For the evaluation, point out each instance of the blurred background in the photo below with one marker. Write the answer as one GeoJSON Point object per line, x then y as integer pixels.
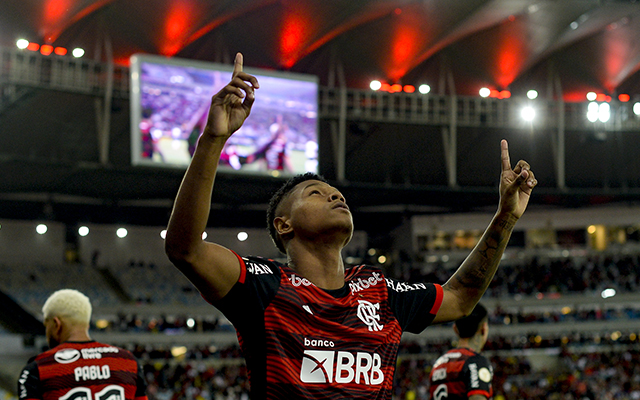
{"type": "Point", "coordinates": [410, 102]}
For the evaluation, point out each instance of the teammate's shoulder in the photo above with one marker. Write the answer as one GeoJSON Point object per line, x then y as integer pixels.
{"type": "Point", "coordinates": [478, 358]}
{"type": "Point", "coordinates": [106, 347]}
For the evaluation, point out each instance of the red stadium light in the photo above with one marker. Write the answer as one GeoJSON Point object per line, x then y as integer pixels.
{"type": "Point", "coordinates": [409, 88]}
{"type": "Point", "coordinates": [33, 46]}
{"type": "Point", "coordinates": [494, 93]}
{"type": "Point", "coordinates": [624, 98]}
{"type": "Point", "coordinates": [46, 49]}
{"type": "Point", "coordinates": [505, 94]}
{"type": "Point", "coordinates": [385, 87]}
{"type": "Point", "coordinates": [601, 97]}
{"type": "Point", "coordinates": [61, 51]}
{"type": "Point", "coordinates": [396, 88]}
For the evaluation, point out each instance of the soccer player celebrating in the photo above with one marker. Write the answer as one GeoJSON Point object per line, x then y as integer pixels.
{"type": "Point", "coordinates": [76, 367]}
{"type": "Point", "coordinates": [311, 328]}
{"type": "Point", "coordinates": [463, 373]}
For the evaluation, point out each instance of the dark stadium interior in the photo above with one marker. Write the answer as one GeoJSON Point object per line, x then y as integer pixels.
{"type": "Point", "coordinates": [392, 164]}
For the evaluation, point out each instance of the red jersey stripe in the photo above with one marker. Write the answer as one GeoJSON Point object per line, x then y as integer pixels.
{"type": "Point", "coordinates": [480, 392]}
{"type": "Point", "coordinates": [438, 302]}
{"type": "Point", "coordinates": [243, 268]}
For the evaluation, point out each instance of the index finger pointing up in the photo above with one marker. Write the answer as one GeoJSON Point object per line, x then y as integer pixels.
{"type": "Point", "coordinates": [237, 64]}
{"type": "Point", "coordinates": [506, 161]}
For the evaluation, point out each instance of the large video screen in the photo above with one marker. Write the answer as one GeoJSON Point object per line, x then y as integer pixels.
{"type": "Point", "coordinates": [170, 101]}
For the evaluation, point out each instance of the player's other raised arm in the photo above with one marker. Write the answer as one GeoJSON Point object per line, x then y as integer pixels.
{"type": "Point", "coordinates": [467, 285]}
{"type": "Point", "coordinates": [212, 268]}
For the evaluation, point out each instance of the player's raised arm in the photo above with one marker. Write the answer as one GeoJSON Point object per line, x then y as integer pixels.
{"type": "Point", "coordinates": [210, 267]}
{"type": "Point", "coordinates": [467, 285]}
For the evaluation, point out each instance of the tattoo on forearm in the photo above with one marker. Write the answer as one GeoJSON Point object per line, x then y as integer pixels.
{"type": "Point", "coordinates": [479, 275]}
{"type": "Point", "coordinates": [506, 224]}
{"type": "Point", "coordinates": [472, 278]}
{"type": "Point", "coordinates": [492, 242]}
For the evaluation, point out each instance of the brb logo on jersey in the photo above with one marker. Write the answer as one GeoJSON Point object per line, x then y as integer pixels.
{"type": "Point", "coordinates": [368, 313]}
{"type": "Point", "coordinates": [66, 356]}
{"type": "Point", "coordinates": [327, 366]}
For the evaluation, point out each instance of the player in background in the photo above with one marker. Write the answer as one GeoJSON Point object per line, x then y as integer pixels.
{"type": "Point", "coordinates": [76, 367]}
{"type": "Point", "coordinates": [311, 328]}
{"type": "Point", "coordinates": [463, 373]}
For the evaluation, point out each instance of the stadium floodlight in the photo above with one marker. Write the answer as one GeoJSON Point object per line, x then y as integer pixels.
{"type": "Point", "coordinates": [485, 92]}
{"type": "Point", "coordinates": [77, 52]}
{"type": "Point", "coordinates": [608, 292]}
{"type": "Point", "coordinates": [591, 96]}
{"type": "Point", "coordinates": [604, 112]}
{"type": "Point", "coordinates": [122, 233]}
{"type": "Point", "coordinates": [83, 231]}
{"type": "Point", "coordinates": [528, 113]}
{"type": "Point", "coordinates": [163, 234]}
{"type": "Point", "coordinates": [424, 88]}
{"type": "Point", "coordinates": [532, 94]}
{"type": "Point", "coordinates": [22, 43]}
{"type": "Point", "coordinates": [204, 235]}
{"type": "Point", "coordinates": [636, 108]}
{"type": "Point", "coordinates": [375, 85]}
{"type": "Point", "coordinates": [41, 229]}
{"type": "Point", "coordinates": [592, 111]}
{"type": "Point", "coordinates": [242, 236]}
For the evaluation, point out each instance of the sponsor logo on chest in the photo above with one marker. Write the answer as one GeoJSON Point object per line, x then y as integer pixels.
{"type": "Point", "coordinates": [328, 366]}
{"type": "Point", "coordinates": [360, 284]}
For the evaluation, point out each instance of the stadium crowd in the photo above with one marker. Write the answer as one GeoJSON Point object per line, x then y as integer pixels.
{"type": "Point", "coordinates": [601, 372]}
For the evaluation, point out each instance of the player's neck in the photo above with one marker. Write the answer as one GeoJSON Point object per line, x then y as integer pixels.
{"type": "Point", "coordinates": [77, 335]}
{"type": "Point", "coordinates": [319, 263]}
{"type": "Point", "coordinates": [474, 343]}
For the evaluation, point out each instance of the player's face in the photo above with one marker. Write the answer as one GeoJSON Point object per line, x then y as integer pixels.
{"type": "Point", "coordinates": [319, 208]}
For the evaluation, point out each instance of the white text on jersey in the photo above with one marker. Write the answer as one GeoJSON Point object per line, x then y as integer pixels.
{"type": "Point", "coordinates": [92, 372]}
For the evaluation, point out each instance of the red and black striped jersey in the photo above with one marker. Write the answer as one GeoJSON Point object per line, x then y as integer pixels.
{"type": "Point", "coordinates": [301, 341]}
{"type": "Point", "coordinates": [83, 371]}
{"type": "Point", "coordinates": [459, 374]}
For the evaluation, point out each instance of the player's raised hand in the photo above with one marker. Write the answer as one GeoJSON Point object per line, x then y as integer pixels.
{"type": "Point", "coordinates": [515, 184]}
{"type": "Point", "coordinates": [232, 104]}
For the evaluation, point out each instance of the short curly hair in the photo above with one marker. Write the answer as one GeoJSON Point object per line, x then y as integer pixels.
{"type": "Point", "coordinates": [69, 304]}
{"type": "Point", "coordinates": [277, 199]}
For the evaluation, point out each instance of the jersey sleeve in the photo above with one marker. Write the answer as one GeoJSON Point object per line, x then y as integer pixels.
{"type": "Point", "coordinates": [249, 297]}
{"type": "Point", "coordinates": [29, 383]}
{"type": "Point", "coordinates": [141, 384]}
{"type": "Point", "coordinates": [478, 374]}
{"type": "Point", "coordinates": [414, 305]}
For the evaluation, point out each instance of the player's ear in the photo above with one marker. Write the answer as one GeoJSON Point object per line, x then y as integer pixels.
{"type": "Point", "coordinates": [57, 325]}
{"type": "Point", "coordinates": [484, 327]}
{"type": "Point", "coordinates": [282, 225]}
{"type": "Point", "coordinates": [455, 329]}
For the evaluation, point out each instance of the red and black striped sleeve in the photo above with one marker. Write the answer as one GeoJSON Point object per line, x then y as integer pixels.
{"type": "Point", "coordinates": [477, 375]}
{"type": "Point", "coordinates": [29, 383]}
{"type": "Point", "coordinates": [141, 384]}
{"type": "Point", "coordinates": [414, 305]}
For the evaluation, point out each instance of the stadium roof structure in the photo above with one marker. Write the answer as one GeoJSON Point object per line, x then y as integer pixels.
{"type": "Point", "coordinates": [50, 150]}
